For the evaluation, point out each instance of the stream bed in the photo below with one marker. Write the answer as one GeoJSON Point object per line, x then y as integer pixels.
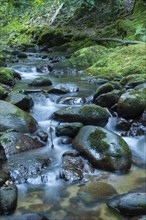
{"type": "Point", "coordinates": [56, 198]}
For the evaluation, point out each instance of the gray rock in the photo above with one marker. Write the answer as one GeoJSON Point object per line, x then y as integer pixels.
{"type": "Point", "coordinates": [103, 148]}
{"type": "Point", "coordinates": [41, 81]}
{"type": "Point", "coordinates": [129, 204]}
{"type": "Point", "coordinates": [72, 101]}
{"type": "Point", "coordinates": [3, 177]}
{"type": "Point", "coordinates": [12, 117]}
{"type": "Point", "coordinates": [28, 216]}
{"type": "Point", "coordinates": [68, 129]}
{"type": "Point", "coordinates": [20, 100]}
{"type": "Point", "coordinates": [87, 114]}
{"type": "Point", "coordinates": [15, 142]}
{"type": "Point", "coordinates": [8, 199]}
{"type": "Point", "coordinates": [64, 88]}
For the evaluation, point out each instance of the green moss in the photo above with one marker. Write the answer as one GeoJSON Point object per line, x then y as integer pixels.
{"type": "Point", "coordinates": [133, 79]}
{"type": "Point", "coordinates": [96, 141]}
{"type": "Point", "coordinates": [6, 76]}
{"type": "Point", "coordinates": [120, 62]}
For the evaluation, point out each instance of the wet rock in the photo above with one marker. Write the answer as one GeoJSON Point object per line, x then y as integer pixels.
{"type": "Point", "coordinates": [22, 101]}
{"type": "Point", "coordinates": [3, 92]}
{"type": "Point", "coordinates": [68, 129]}
{"type": "Point", "coordinates": [87, 114]}
{"type": "Point", "coordinates": [129, 204]}
{"type": "Point", "coordinates": [6, 76]}
{"type": "Point", "coordinates": [16, 75]}
{"type": "Point", "coordinates": [29, 216]}
{"type": "Point", "coordinates": [132, 103]}
{"type": "Point", "coordinates": [72, 101]}
{"type": "Point", "coordinates": [3, 157]}
{"type": "Point", "coordinates": [103, 148]}
{"type": "Point", "coordinates": [15, 142]}
{"type": "Point", "coordinates": [64, 88]}
{"type": "Point", "coordinates": [3, 177]}
{"type": "Point", "coordinates": [143, 118]}
{"type": "Point", "coordinates": [106, 87]}
{"type": "Point", "coordinates": [42, 135]}
{"type": "Point", "coordinates": [12, 117]}
{"type": "Point", "coordinates": [136, 129]}
{"type": "Point", "coordinates": [8, 199]}
{"type": "Point", "coordinates": [123, 124]}
{"type": "Point", "coordinates": [96, 191]}
{"type": "Point", "coordinates": [41, 81]}
{"type": "Point", "coordinates": [72, 166]}
{"type": "Point", "coordinates": [66, 140]}
{"type": "Point", "coordinates": [28, 170]}
{"type": "Point", "coordinates": [133, 80]}
{"type": "Point", "coordinates": [108, 99]}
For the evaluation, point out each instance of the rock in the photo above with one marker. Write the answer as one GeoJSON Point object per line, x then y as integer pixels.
{"type": "Point", "coordinates": [3, 93]}
{"type": "Point", "coordinates": [132, 103]}
{"type": "Point", "coordinates": [22, 101]}
{"type": "Point", "coordinates": [123, 124]}
{"type": "Point", "coordinates": [29, 216]}
{"type": "Point", "coordinates": [106, 87]}
{"type": "Point", "coordinates": [28, 170]}
{"type": "Point", "coordinates": [41, 81]}
{"type": "Point", "coordinates": [108, 99]}
{"type": "Point", "coordinates": [103, 148]}
{"type": "Point", "coordinates": [12, 117]}
{"type": "Point", "coordinates": [8, 199]}
{"type": "Point", "coordinates": [87, 114]}
{"type": "Point", "coordinates": [3, 177]}
{"type": "Point", "coordinates": [133, 80]}
{"type": "Point", "coordinates": [95, 192]}
{"type": "Point", "coordinates": [15, 142]}
{"type": "Point", "coordinates": [64, 88]}
{"type": "Point", "coordinates": [42, 135]}
{"type": "Point", "coordinates": [68, 129]}
{"type": "Point", "coordinates": [6, 76]}
{"type": "Point", "coordinates": [72, 166]}
{"type": "Point", "coordinates": [3, 157]}
{"type": "Point", "coordinates": [72, 101]}
{"type": "Point", "coordinates": [133, 203]}
{"type": "Point", "coordinates": [143, 118]}
{"type": "Point", "coordinates": [17, 75]}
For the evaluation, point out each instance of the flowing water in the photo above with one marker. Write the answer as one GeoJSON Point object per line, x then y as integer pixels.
{"type": "Point", "coordinates": [57, 199]}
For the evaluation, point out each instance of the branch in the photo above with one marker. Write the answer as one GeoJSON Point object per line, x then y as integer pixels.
{"type": "Point", "coordinates": [56, 13]}
{"type": "Point", "coordinates": [123, 42]}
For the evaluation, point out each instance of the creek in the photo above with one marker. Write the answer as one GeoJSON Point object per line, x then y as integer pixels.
{"type": "Point", "coordinates": [57, 199]}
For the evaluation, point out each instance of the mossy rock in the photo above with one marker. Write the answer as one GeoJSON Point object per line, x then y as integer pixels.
{"type": "Point", "coordinates": [41, 81]}
{"type": "Point", "coordinates": [106, 87]}
{"type": "Point", "coordinates": [3, 93]}
{"type": "Point", "coordinates": [87, 114]}
{"type": "Point", "coordinates": [133, 80]}
{"type": "Point", "coordinates": [2, 60]}
{"type": "Point", "coordinates": [132, 103]}
{"type": "Point", "coordinates": [121, 62]}
{"type": "Point", "coordinates": [103, 148]}
{"type": "Point", "coordinates": [86, 57]}
{"type": "Point", "coordinates": [53, 37]}
{"type": "Point", "coordinates": [12, 117]}
{"type": "Point", "coordinates": [6, 76]}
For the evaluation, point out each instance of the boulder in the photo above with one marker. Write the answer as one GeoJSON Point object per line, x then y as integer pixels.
{"type": "Point", "coordinates": [72, 166]}
{"type": "Point", "coordinates": [68, 129]}
{"type": "Point", "coordinates": [15, 142]}
{"type": "Point", "coordinates": [8, 199]}
{"type": "Point", "coordinates": [103, 148]}
{"type": "Point", "coordinates": [72, 101]}
{"type": "Point", "coordinates": [132, 103]}
{"type": "Point", "coordinates": [6, 76]}
{"type": "Point", "coordinates": [64, 88]}
{"type": "Point", "coordinates": [133, 203]}
{"type": "Point", "coordinates": [3, 177]}
{"type": "Point", "coordinates": [41, 81]}
{"type": "Point", "coordinates": [87, 114]}
{"type": "Point", "coordinates": [12, 117]}
{"type": "Point", "coordinates": [22, 101]}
